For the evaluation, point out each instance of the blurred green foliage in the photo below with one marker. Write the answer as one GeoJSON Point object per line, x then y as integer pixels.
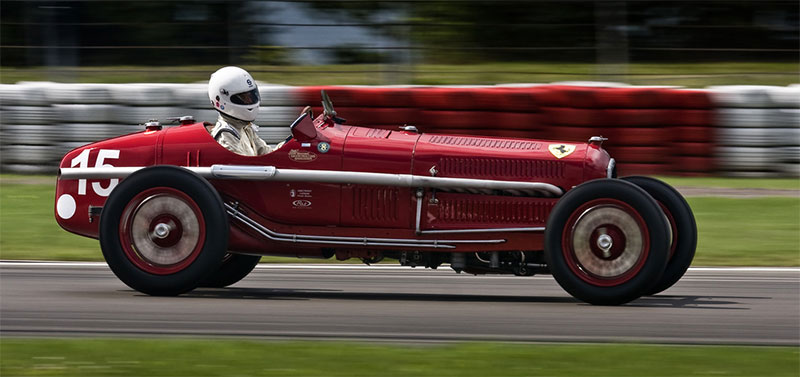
{"type": "Point", "coordinates": [218, 32]}
{"type": "Point", "coordinates": [696, 75]}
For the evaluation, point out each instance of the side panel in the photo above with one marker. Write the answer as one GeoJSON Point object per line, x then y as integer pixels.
{"type": "Point", "coordinates": [378, 151]}
{"type": "Point", "coordinates": [466, 211]}
{"type": "Point", "coordinates": [75, 196]}
{"type": "Point", "coordinates": [282, 202]}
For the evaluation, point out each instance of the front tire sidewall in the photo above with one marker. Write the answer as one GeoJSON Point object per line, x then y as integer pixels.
{"type": "Point", "coordinates": [656, 229]}
{"type": "Point", "coordinates": [685, 229]}
{"type": "Point", "coordinates": [215, 239]}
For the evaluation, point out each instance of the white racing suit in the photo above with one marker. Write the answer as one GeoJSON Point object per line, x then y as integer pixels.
{"type": "Point", "coordinates": [239, 137]}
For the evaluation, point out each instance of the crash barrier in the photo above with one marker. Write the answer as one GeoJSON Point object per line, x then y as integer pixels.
{"type": "Point", "coordinates": [650, 130]}
{"type": "Point", "coordinates": [732, 130]}
{"type": "Point", "coordinates": [758, 130]}
{"type": "Point", "coordinates": [41, 121]}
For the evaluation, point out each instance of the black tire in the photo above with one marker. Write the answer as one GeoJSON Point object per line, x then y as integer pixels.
{"type": "Point", "coordinates": [234, 267]}
{"type": "Point", "coordinates": [606, 242]}
{"type": "Point", "coordinates": [683, 229]}
{"type": "Point", "coordinates": [166, 198]}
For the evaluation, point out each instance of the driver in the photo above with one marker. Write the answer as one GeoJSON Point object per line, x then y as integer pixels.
{"type": "Point", "coordinates": [234, 94]}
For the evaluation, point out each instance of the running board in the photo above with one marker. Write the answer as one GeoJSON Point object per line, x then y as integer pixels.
{"type": "Point", "coordinates": [353, 241]}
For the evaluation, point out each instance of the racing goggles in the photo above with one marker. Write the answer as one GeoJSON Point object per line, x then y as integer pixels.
{"type": "Point", "coordinates": [246, 98]}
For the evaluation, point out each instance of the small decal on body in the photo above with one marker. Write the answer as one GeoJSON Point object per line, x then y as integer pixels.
{"type": "Point", "coordinates": [561, 150]}
{"type": "Point", "coordinates": [301, 156]}
{"type": "Point", "coordinates": [323, 147]}
{"type": "Point", "coordinates": [301, 203]}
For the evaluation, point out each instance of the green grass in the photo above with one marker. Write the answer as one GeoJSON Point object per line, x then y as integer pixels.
{"type": "Point", "coordinates": [173, 357]}
{"type": "Point", "coordinates": [756, 183]}
{"type": "Point", "coordinates": [747, 232]}
{"type": "Point", "coordinates": [762, 231]}
{"type": "Point", "coordinates": [682, 74]}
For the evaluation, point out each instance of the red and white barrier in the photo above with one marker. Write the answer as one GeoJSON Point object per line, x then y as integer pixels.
{"type": "Point", "coordinates": [735, 130]}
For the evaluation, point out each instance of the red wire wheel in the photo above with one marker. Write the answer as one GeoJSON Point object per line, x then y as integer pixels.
{"type": "Point", "coordinates": [163, 230]}
{"type": "Point", "coordinates": [607, 242]}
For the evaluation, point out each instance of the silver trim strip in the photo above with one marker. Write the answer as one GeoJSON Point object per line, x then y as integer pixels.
{"type": "Point", "coordinates": [419, 196]}
{"type": "Point", "coordinates": [271, 173]}
{"type": "Point", "coordinates": [360, 241]}
{"type": "Point", "coordinates": [610, 168]}
{"type": "Point", "coordinates": [484, 230]}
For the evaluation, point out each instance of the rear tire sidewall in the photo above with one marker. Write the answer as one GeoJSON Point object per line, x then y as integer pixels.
{"type": "Point", "coordinates": [684, 225]}
{"type": "Point", "coordinates": [656, 228]}
{"type": "Point", "coordinates": [214, 233]}
{"type": "Point", "coordinates": [234, 268]}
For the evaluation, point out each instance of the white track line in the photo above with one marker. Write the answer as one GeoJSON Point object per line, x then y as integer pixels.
{"type": "Point", "coordinates": [276, 266]}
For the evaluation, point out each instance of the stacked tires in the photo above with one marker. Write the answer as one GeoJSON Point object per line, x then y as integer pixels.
{"type": "Point", "coordinates": [759, 130]}
{"type": "Point", "coordinates": [41, 121]}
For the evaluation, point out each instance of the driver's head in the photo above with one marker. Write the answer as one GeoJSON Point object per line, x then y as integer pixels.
{"type": "Point", "coordinates": [233, 92]}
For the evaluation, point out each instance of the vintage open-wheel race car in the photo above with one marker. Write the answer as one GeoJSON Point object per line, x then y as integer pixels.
{"type": "Point", "coordinates": [174, 210]}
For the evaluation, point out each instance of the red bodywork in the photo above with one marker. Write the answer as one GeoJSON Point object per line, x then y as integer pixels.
{"type": "Point", "coordinates": [350, 209]}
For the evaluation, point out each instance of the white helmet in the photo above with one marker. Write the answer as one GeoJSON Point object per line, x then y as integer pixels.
{"type": "Point", "coordinates": [233, 92]}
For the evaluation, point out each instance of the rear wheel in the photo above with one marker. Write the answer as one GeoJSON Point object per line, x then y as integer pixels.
{"type": "Point", "coordinates": [234, 267]}
{"type": "Point", "coordinates": [683, 229]}
{"type": "Point", "coordinates": [606, 242]}
{"type": "Point", "coordinates": [163, 230]}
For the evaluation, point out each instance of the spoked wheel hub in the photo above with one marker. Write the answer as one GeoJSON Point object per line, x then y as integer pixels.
{"type": "Point", "coordinates": [162, 230]}
{"type": "Point", "coordinates": [605, 242]}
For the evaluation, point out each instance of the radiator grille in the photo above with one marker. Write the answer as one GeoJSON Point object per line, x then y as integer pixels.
{"type": "Point", "coordinates": [375, 203]}
{"type": "Point", "coordinates": [496, 211]}
{"type": "Point", "coordinates": [468, 167]}
{"type": "Point", "coordinates": [486, 143]}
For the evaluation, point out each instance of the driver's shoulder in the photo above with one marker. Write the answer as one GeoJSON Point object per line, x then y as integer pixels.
{"type": "Point", "coordinates": [222, 128]}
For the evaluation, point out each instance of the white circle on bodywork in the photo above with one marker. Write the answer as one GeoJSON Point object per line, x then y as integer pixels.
{"type": "Point", "coordinates": [65, 206]}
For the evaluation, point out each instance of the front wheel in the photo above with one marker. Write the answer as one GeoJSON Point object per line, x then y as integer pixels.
{"type": "Point", "coordinates": [607, 242]}
{"type": "Point", "coordinates": [163, 230]}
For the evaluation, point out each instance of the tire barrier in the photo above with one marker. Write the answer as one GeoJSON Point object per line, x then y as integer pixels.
{"type": "Point", "coordinates": [42, 121]}
{"type": "Point", "coordinates": [643, 124]}
{"type": "Point", "coordinates": [758, 130]}
{"type": "Point", "coordinates": [730, 130]}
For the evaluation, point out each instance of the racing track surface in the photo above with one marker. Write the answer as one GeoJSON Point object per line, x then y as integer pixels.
{"type": "Point", "coordinates": [722, 306]}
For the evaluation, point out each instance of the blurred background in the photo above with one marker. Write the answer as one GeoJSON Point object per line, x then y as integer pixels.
{"type": "Point", "coordinates": [73, 72]}
{"type": "Point", "coordinates": [404, 42]}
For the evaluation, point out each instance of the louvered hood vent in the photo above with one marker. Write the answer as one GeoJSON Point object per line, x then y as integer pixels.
{"type": "Point", "coordinates": [500, 168]}
{"type": "Point", "coordinates": [471, 141]}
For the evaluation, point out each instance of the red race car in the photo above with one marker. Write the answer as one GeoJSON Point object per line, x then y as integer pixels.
{"type": "Point", "coordinates": [174, 210]}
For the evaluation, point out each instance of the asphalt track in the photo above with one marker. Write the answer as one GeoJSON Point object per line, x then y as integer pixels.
{"type": "Point", "coordinates": [708, 306]}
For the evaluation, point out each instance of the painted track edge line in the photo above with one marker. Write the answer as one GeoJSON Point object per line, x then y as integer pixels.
{"type": "Point", "coordinates": [277, 266]}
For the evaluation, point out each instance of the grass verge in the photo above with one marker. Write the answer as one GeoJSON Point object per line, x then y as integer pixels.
{"type": "Point", "coordinates": [172, 357]}
{"type": "Point", "coordinates": [735, 183]}
{"type": "Point", "coordinates": [682, 74]}
{"type": "Point", "coordinates": [763, 231]}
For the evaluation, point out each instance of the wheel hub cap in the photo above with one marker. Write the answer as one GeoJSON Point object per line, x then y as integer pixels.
{"type": "Point", "coordinates": [607, 241]}
{"type": "Point", "coordinates": [604, 242]}
{"type": "Point", "coordinates": [164, 230]}
{"type": "Point", "coordinates": [161, 231]}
